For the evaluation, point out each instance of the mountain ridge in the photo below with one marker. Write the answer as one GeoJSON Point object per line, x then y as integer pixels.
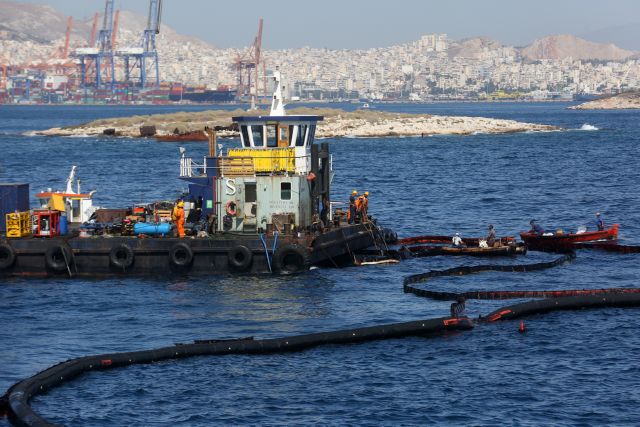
{"type": "Point", "coordinates": [562, 46]}
{"type": "Point", "coordinates": [43, 24]}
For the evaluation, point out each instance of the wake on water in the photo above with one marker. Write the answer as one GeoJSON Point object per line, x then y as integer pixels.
{"type": "Point", "coordinates": [587, 126]}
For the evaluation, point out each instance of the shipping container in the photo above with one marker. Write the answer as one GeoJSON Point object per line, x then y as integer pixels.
{"type": "Point", "coordinates": [14, 197]}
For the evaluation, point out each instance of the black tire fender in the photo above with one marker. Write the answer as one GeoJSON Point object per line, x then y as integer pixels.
{"type": "Point", "coordinates": [389, 235]}
{"type": "Point", "coordinates": [7, 256]}
{"type": "Point", "coordinates": [240, 257]}
{"type": "Point", "coordinates": [58, 257]}
{"type": "Point", "coordinates": [181, 255]}
{"type": "Point", "coordinates": [292, 258]}
{"type": "Point", "coordinates": [121, 256]}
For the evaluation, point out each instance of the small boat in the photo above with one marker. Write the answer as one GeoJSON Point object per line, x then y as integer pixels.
{"type": "Point", "coordinates": [197, 135]}
{"type": "Point", "coordinates": [559, 242]}
{"type": "Point", "coordinates": [507, 250]}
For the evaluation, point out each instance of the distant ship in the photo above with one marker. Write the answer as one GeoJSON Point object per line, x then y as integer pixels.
{"type": "Point", "coordinates": [583, 97]}
{"type": "Point", "coordinates": [202, 94]}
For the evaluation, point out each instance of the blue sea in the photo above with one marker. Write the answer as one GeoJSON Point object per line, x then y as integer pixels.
{"type": "Point", "coordinates": [570, 368]}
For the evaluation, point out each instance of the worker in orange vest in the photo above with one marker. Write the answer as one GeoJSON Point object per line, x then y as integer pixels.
{"type": "Point", "coordinates": [365, 205]}
{"type": "Point", "coordinates": [178, 217]}
{"type": "Point", "coordinates": [360, 201]}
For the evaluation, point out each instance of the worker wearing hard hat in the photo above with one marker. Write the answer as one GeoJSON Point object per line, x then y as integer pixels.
{"type": "Point", "coordinates": [352, 207]}
{"type": "Point", "coordinates": [178, 217]}
{"type": "Point", "coordinates": [362, 204]}
{"type": "Point", "coordinates": [365, 204]}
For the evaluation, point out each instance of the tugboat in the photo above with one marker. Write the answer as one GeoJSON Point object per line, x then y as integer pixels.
{"type": "Point", "coordinates": [263, 207]}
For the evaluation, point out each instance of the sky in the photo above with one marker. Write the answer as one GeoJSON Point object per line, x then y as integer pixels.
{"type": "Point", "coordinates": [355, 24]}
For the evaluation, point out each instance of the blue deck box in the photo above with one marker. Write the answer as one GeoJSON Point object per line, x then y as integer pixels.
{"type": "Point", "coordinates": [13, 197]}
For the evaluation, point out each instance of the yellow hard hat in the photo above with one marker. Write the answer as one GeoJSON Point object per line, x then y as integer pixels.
{"type": "Point", "coordinates": [366, 193]}
{"type": "Point", "coordinates": [354, 192]}
{"type": "Point", "coordinates": [180, 204]}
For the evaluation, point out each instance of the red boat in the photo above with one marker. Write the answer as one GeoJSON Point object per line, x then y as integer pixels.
{"type": "Point", "coordinates": [196, 135]}
{"type": "Point", "coordinates": [560, 242]}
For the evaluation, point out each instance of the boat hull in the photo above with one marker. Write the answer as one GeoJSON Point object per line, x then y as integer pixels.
{"type": "Point", "coordinates": [510, 250]}
{"type": "Point", "coordinates": [565, 242]}
{"type": "Point", "coordinates": [469, 241]}
{"type": "Point", "coordinates": [100, 257]}
{"type": "Point", "coordinates": [189, 136]}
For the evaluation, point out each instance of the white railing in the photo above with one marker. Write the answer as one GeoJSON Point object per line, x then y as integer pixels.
{"type": "Point", "coordinates": [189, 168]}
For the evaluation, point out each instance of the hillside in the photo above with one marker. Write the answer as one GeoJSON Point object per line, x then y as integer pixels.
{"type": "Point", "coordinates": [623, 101]}
{"type": "Point", "coordinates": [477, 48]}
{"type": "Point", "coordinates": [30, 33]}
{"type": "Point", "coordinates": [565, 46]}
{"type": "Point", "coordinates": [36, 23]}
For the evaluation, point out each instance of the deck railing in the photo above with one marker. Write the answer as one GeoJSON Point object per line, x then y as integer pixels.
{"type": "Point", "coordinates": [238, 163]}
{"type": "Point", "coordinates": [189, 168]}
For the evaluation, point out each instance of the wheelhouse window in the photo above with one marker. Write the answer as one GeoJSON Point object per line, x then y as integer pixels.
{"type": "Point", "coordinates": [312, 132]}
{"type": "Point", "coordinates": [284, 134]}
{"type": "Point", "coordinates": [245, 136]}
{"type": "Point", "coordinates": [272, 140]}
{"type": "Point", "coordinates": [257, 132]}
{"type": "Point", "coordinates": [302, 131]}
{"type": "Point", "coordinates": [292, 135]}
{"type": "Point", "coordinates": [285, 191]}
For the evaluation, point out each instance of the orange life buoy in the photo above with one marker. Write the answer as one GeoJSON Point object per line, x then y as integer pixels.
{"type": "Point", "coordinates": [232, 208]}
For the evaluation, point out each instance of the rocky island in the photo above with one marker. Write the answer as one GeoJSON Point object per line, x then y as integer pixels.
{"type": "Point", "coordinates": [623, 101]}
{"type": "Point", "coordinates": [337, 123]}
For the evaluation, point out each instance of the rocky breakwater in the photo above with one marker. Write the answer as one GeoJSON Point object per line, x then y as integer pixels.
{"type": "Point", "coordinates": [337, 123]}
{"type": "Point", "coordinates": [404, 125]}
{"type": "Point", "coordinates": [623, 101]}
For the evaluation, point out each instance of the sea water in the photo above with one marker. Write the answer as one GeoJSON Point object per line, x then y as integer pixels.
{"type": "Point", "coordinates": [569, 368]}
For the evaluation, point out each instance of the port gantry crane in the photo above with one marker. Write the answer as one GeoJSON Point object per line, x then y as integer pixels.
{"type": "Point", "coordinates": [102, 56]}
{"type": "Point", "coordinates": [248, 63]}
{"type": "Point", "coordinates": [145, 57]}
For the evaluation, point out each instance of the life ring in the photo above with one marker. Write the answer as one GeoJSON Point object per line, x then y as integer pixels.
{"type": "Point", "coordinates": [7, 256]}
{"type": "Point", "coordinates": [121, 256]}
{"type": "Point", "coordinates": [292, 258]}
{"type": "Point", "coordinates": [232, 207]}
{"type": "Point", "coordinates": [58, 258]}
{"type": "Point", "coordinates": [181, 255]}
{"type": "Point", "coordinates": [240, 257]}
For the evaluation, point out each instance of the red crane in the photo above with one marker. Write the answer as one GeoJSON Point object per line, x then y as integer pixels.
{"type": "Point", "coordinates": [247, 63]}
{"type": "Point", "coordinates": [257, 48]}
{"type": "Point", "coordinates": [3, 82]}
{"type": "Point", "coordinates": [62, 52]}
{"type": "Point", "coordinates": [65, 52]}
{"type": "Point", "coordinates": [94, 29]}
{"type": "Point", "coordinates": [115, 30]}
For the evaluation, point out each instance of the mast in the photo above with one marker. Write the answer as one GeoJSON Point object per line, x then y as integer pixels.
{"type": "Point", "coordinates": [277, 103]}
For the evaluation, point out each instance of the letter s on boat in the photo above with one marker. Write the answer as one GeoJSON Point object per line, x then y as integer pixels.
{"type": "Point", "coordinates": [231, 187]}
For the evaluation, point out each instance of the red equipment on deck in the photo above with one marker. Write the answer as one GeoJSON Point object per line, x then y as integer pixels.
{"type": "Point", "coordinates": [46, 223]}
